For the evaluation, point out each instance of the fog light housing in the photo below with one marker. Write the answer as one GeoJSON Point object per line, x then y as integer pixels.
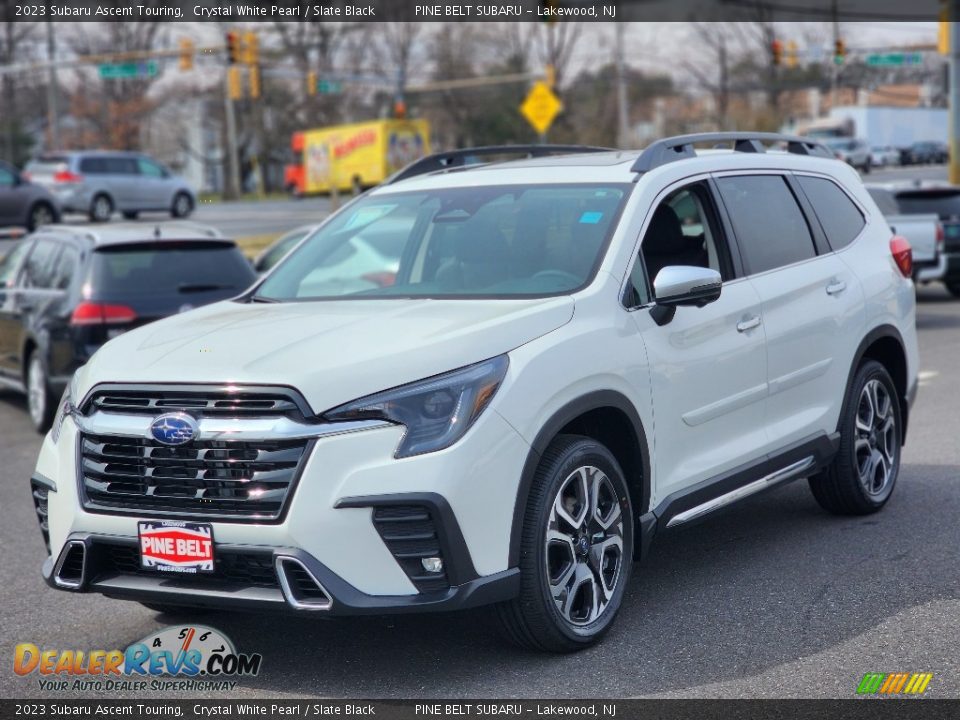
{"type": "Point", "coordinates": [432, 564]}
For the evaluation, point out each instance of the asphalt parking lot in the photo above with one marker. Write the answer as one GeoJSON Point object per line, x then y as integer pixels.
{"type": "Point", "coordinates": [772, 599]}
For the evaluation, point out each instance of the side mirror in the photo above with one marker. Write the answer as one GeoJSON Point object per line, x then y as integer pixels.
{"type": "Point", "coordinates": [678, 285]}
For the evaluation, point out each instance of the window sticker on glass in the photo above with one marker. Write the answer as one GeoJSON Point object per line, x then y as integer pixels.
{"type": "Point", "coordinates": [591, 218]}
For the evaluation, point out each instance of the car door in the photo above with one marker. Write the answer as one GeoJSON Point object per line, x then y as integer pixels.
{"type": "Point", "coordinates": [707, 365]}
{"type": "Point", "coordinates": [812, 302]}
{"type": "Point", "coordinates": [10, 331]}
{"type": "Point", "coordinates": [153, 188]}
{"type": "Point", "coordinates": [122, 179]}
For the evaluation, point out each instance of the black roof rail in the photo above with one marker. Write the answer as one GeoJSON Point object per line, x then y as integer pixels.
{"type": "Point", "coordinates": [460, 158]}
{"type": "Point", "coordinates": [680, 147]}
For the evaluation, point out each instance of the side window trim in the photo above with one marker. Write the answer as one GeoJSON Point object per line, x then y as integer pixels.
{"type": "Point", "coordinates": [734, 251]}
{"type": "Point", "coordinates": [813, 220]}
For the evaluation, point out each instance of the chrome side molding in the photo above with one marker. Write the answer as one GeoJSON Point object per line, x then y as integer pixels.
{"type": "Point", "coordinates": [778, 476]}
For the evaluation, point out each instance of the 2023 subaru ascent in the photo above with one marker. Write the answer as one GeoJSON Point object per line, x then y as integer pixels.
{"type": "Point", "coordinates": [570, 353]}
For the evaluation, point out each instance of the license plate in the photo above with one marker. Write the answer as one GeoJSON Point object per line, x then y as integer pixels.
{"type": "Point", "coordinates": [176, 547]}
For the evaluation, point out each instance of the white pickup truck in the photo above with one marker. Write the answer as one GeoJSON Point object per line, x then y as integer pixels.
{"type": "Point", "coordinates": [923, 231]}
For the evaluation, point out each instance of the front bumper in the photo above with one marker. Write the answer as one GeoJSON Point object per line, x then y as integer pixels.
{"type": "Point", "coordinates": [329, 527]}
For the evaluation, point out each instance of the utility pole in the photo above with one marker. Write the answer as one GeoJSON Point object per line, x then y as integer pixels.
{"type": "Point", "coordinates": [53, 112]}
{"type": "Point", "coordinates": [834, 66]}
{"type": "Point", "coordinates": [622, 120]}
{"type": "Point", "coordinates": [954, 94]}
{"type": "Point", "coordinates": [232, 188]}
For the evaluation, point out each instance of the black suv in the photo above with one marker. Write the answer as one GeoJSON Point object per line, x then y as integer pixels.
{"type": "Point", "coordinates": [64, 291]}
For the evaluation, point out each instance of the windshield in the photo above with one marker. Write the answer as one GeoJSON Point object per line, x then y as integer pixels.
{"type": "Point", "coordinates": [504, 241]}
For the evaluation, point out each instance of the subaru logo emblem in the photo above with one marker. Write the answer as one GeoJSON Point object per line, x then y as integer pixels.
{"type": "Point", "coordinates": [174, 429]}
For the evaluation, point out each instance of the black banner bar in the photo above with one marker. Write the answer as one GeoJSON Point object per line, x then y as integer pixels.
{"type": "Point", "coordinates": [553, 11]}
{"type": "Point", "coordinates": [855, 709]}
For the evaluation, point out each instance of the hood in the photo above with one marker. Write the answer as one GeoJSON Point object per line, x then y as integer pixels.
{"type": "Point", "coordinates": [331, 351]}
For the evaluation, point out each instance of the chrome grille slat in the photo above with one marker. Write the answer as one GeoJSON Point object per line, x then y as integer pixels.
{"type": "Point", "coordinates": [209, 478]}
{"type": "Point", "coordinates": [235, 402]}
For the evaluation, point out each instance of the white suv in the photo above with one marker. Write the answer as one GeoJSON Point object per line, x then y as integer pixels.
{"type": "Point", "coordinates": [569, 354]}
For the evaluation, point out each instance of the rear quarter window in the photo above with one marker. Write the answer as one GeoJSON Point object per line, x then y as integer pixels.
{"type": "Point", "coordinates": [839, 217]}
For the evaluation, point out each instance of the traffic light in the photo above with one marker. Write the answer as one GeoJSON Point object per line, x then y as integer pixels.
{"type": "Point", "coordinates": [251, 48]}
{"type": "Point", "coordinates": [839, 51]}
{"type": "Point", "coordinates": [254, 81]}
{"type": "Point", "coordinates": [399, 109]}
{"type": "Point", "coordinates": [233, 47]}
{"type": "Point", "coordinates": [776, 52]}
{"type": "Point", "coordinates": [186, 54]}
{"type": "Point", "coordinates": [312, 82]}
{"type": "Point", "coordinates": [791, 54]}
{"type": "Point", "coordinates": [234, 83]}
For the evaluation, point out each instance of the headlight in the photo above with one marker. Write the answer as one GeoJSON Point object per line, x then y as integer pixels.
{"type": "Point", "coordinates": [436, 411]}
{"type": "Point", "coordinates": [63, 409]}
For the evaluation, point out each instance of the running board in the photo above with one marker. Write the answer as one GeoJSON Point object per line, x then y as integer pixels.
{"type": "Point", "coordinates": [778, 476]}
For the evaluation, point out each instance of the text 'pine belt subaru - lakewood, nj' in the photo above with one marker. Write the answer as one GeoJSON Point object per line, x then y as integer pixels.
{"type": "Point", "coordinates": [565, 354]}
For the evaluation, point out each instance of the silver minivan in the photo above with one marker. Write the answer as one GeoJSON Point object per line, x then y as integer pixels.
{"type": "Point", "coordinates": [99, 183]}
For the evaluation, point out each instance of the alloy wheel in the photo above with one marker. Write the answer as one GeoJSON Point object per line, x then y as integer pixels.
{"type": "Point", "coordinates": [36, 391]}
{"type": "Point", "coordinates": [876, 444]}
{"type": "Point", "coordinates": [181, 207]}
{"type": "Point", "coordinates": [102, 208]}
{"type": "Point", "coordinates": [584, 545]}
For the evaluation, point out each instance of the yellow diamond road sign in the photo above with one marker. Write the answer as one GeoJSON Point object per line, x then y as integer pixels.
{"type": "Point", "coordinates": [541, 107]}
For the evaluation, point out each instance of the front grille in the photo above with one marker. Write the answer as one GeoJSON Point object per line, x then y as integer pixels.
{"type": "Point", "coordinates": [215, 479]}
{"type": "Point", "coordinates": [201, 403]}
{"type": "Point", "coordinates": [410, 533]}
{"type": "Point", "coordinates": [234, 568]}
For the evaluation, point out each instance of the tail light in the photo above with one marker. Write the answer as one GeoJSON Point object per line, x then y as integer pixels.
{"type": "Point", "coordinates": [902, 255]}
{"type": "Point", "coordinates": [940, 237]}
{"type": "Point", "coordinates": [89, 313]}
{"type": "Point", "coordinates": [65, 176]}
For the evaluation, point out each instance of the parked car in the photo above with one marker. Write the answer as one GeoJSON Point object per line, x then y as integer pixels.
{"type": "Point", "coordinates": [481, 431]}
{"type": "Point", "coordinates": [100, 183]}
{"type": "Point", "coordinates": [943, 200]}
{"type": "Point", "coordinates": [852, 151]}
{"type": "Point", "coordinates": [923, 231]}
{"type": "Point", "coordinates": [23, 203]}
{"type": "Point", "coordinates": [925, 153]}
{"type": "Point", "coordinates": [884, 156]}
{"type": "Point", "coordinates": [65, 291]}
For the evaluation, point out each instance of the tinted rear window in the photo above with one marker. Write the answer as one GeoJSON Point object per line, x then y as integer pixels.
{"type": "Point", "coordinates": [944, 203]}
{"type": "Point", "coordinates": [840, 218]}
{"type": "Point", "coordinates": [175, 268]}
{"type": "Point", "coordinates": [770, 226]}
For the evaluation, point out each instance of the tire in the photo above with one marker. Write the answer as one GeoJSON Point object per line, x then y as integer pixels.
{"type": "Point", "coordinates": [595, 564]}
{"type": "Point", "coordinates": [953, 288]}
{"type": "Point", "coordinates": [862, 476]}
{"type": "Point", "coordinates": [130, 215]}
{"type": "Point", "coordinates": [101, 208]}
{"type": "Point", "coordinates": [182, 205]}
{"type": "Point", "coordinates": [40, 404]}
{"type": "Point", "coordinates": [40, 214]}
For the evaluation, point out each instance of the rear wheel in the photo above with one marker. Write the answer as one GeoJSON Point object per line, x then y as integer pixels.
{"type": "Point", "coordinates": [40, 214]}
{"type": "Point", "coordinates": [101, 208]}
{"type": "Point", "coordinates": [182, 206]}
{"type": "Point", "coordinates": [39, 402]}
{"type": "Point", "coordinates": [576, 549]}
{"type": "Point", "coordinates": [864, 472]}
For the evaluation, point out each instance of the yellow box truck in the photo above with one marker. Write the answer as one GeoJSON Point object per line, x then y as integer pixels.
{"type": "Point", "coordinates": [358, 155]}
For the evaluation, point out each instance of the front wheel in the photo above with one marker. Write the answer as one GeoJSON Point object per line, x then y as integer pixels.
{"type": "Point", "coordinates": [101, 209]}
{"type": "Point", "coordinates": [182, 206]}
{"type": "Point", "coordinates": [864, 472]}
{"type": "Point", "coordinates": [40, 214]}
{"type": "Point", "coordinates": [576, 549]}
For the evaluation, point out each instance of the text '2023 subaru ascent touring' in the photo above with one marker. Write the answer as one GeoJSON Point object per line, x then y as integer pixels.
{"type": "Point", "coordinates": [570, 353]}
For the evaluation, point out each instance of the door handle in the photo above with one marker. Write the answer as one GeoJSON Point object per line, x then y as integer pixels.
{"type": "Point", "coordinates": [836, 288]}
{"type": "Point", "coordinates": [748, 324]}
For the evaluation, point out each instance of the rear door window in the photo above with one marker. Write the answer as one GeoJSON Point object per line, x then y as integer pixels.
{"type": "Point", "coordinates": [121, 166]}
{"type": "Point", "coordinates": [840, 218]}
{"type": "Point", "coordinates": [771, 229]}
{"type": "Point", "coordinates": [65, 268]}
{"type": "Point", "coordinates": [93, 166]}
{"type": "Point", "coordinates": [38, 272]}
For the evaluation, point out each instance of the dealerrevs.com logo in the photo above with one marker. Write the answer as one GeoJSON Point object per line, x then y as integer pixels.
{"type": "Point", "coordinates": [190, 657]}
{"type": "Point", "coordinates": [902, 683]}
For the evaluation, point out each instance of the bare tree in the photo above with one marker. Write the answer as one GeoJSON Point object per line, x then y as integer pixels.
{"type": "Point", "coordinates": [554, 44]}
{"type": "Point", "coordinates": [14, 39]}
